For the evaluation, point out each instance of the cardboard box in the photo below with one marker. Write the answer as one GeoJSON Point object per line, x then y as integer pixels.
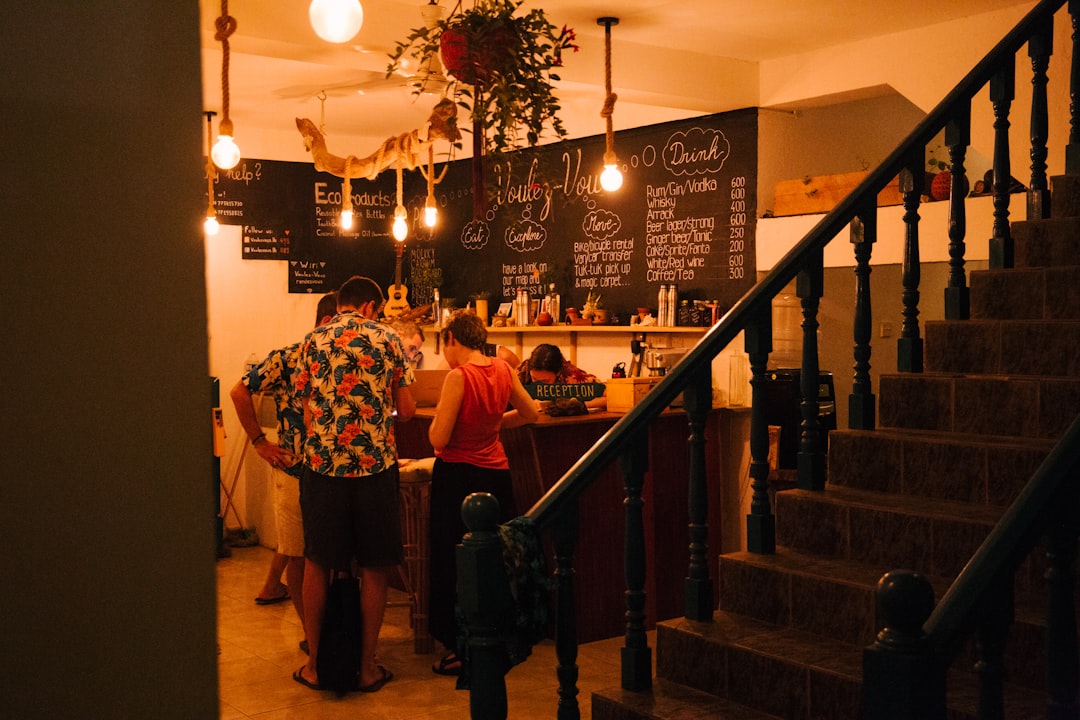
{"type": "Point", "coordinates": [625, 393]}
{"type": "Point", "coordinates": [822, 193]}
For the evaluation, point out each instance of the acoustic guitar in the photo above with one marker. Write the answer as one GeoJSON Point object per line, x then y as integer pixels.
{"type": "Point", "coordinates": [397, 293]}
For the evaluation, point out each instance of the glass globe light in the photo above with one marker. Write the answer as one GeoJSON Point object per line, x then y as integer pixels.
{"type": "Point", "coordinates": [346, 219]}
{"type": "Point", "coordinates": [211, 227]}
{"type": "Point", "coordinates": [336, 21]}
{"type": "Point", "coordinates": [611, 178]}
{"type": "Point", "coordinates": [225, 152]}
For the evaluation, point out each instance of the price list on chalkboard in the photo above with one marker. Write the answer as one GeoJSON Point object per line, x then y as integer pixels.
{"type": "Point", "coordinates": [685, 215]}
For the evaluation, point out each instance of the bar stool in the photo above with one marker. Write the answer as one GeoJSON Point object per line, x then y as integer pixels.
{"type": "Point", "coordinates": [415, 496]}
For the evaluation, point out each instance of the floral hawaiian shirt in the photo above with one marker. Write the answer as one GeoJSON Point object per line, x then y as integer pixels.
{"type": "Point", "coordinates": [275, 375]}
{"type": "Point", "coordinates": [346, 370]}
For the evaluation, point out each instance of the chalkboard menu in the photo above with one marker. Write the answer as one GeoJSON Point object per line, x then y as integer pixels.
{"type": "Point", "coordinates": [685, 215]}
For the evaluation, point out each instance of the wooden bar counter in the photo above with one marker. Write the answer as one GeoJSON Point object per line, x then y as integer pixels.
{"type": "Point", "coordinates": [541, 453]}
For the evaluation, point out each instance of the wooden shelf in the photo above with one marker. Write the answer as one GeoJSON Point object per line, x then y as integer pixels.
{"type": "Point", "coordinates": [598, 329]}
{"type": "Point", "coordinates": [572, 332]}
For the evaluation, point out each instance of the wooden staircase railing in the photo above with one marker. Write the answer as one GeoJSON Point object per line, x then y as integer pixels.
{"type": "Point", "coordinates": [557, 512]}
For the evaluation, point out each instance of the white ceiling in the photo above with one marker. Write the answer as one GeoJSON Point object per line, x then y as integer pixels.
{"type": "Point", "coordinates": [670, 58]}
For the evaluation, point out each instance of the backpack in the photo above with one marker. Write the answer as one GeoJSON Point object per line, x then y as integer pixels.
{"type": "Point", "coordinates": [338, 661]}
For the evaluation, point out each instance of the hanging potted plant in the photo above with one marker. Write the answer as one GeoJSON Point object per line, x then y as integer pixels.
{"type": "Point", "coordinates": [505, 62]}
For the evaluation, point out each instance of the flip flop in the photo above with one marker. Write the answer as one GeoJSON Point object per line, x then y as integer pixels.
{"type": "Point", "coordinates": [274, 600]}
{"type": "Point", "coordinates": [387, 676]}
{"type": "Point", "coordinates": [298, 676]}
{"type": "Point", "coordinates": [449, 664]}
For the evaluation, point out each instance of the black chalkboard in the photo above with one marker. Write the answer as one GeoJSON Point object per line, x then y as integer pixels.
{"type": "Point", "coordinates": [685, 214]}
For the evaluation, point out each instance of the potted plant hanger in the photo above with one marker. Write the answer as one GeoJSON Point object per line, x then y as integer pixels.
{"type": "Point", "coordinates": [504, 61]}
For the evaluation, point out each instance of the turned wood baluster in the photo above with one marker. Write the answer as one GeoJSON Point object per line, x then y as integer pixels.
{"type": "Point", "coordinates": [1002, 92]}
{"type": "Point", "coordinates": [862, 414]}
{"type": "Point", "coordinates": [565, 537]}
{"type": "Point", "coordinates": [760, 523]}
{"type": "Point", "coordinates": [909, 348]}
{"type": "Point", "coordinates": [1062, 665]}
{"type": "Point", "coordinates": [1040, 48]}
{"type": "Point", "coordinates": [697, 399]}
{"type": "Point", "coordinates": [991, 634]}
{"type": "Point", "coordinates": [957, 139]}
{"type": "Point", "coordinates": [636, 655]}
{"type": "Point", "coordinates": [1072, 150]}
{"type": "Point", "coordinates": [809, 286]}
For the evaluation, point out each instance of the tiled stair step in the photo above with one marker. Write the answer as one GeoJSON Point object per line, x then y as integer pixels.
{"type": "Point", "coordinates": [1026, 293]}
{"type": "Point", "coordinates": [984, 469]}
{"type": "Point", "coordinates": [793, 674]}
{"type": "Point", "coordinates": [824, 596]}
{"type": "Point", "coordinates": [1046, 243]}
{"type": "Point", "coordinates": [668, 700]}
{"type": "Point", "coordinates": [780, 671]}
{"type": "Point", "coordinates": [1003, 347]}
{"type": "Point", "coordinates": [1020, 406]}
{"type": "Point", "coordinates": [835, 599]}
{"type": "Point", "coordinates": [1065, 192]}
{"type": "Point", "coordinates": [933, 537]}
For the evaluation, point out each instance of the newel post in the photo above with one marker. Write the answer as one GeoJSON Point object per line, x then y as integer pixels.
{"type": "Point", "coordinates": [483, 594]}
{"type": "Point", "coordinates": [903, 678]}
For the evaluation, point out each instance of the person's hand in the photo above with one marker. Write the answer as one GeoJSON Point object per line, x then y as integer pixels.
{"type": "Point", "coordinates": [272, 453]}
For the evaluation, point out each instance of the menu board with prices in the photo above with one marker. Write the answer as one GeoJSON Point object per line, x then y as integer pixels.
{"type": "Point", "coordinates": [685, 215]}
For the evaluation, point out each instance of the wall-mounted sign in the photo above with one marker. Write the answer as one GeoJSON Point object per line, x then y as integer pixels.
{"type": "Point", "coordinates": [684, 215]}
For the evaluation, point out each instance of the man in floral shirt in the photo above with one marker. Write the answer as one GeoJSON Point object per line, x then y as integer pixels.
{"type": "Point", "coordinates": [353, 375]}
{"type": "Point", "coordinates": [275, 375]}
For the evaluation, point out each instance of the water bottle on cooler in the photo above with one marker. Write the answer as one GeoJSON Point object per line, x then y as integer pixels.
{"type": "Point", "coordinates": [661, 305]}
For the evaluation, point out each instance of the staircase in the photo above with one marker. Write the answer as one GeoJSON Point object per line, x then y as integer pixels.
{"type": "Point", "coordinates": [953, 448]}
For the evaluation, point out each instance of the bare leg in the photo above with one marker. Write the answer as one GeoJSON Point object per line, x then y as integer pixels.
{"type": "Point", "coordinates": [294, 574]}
{"type": "Point", "coordinates": [316, 581]}
{"type": "Point", "coordinates": [373, 587]}
{"type": "Point", "coordinates": [272, 587]}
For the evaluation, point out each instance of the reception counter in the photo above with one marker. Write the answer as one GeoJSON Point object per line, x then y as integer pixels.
{"type": "Point", "coordinates": [541, 453]}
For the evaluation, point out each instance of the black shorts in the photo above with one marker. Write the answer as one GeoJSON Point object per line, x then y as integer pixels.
{"type": "Point", "coordinates": [351, 518]}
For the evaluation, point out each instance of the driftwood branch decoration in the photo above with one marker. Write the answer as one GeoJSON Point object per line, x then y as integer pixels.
{"type": "Point", "coordinates": [406, 149]}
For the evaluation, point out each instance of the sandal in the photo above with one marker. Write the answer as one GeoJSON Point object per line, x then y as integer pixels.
{"type": "Point", "coordinates": [298, 676]}
{"type": "Point", "coordinates": [386, 676]}
{"type": "Point", "coordinates": [449, 664]}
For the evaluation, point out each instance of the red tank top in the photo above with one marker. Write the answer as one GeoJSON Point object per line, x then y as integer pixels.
{"type": "Point", "coordinates": [475, 437]}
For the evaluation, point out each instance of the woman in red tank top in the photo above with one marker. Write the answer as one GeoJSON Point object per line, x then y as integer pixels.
{"type": "Point", "coordinates": [468, 458]}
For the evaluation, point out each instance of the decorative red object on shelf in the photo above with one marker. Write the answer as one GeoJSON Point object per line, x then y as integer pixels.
{"type": "Point", "coordinates": [941, 186]}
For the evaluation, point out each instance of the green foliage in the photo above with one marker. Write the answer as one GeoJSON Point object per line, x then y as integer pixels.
{"type": "Point", "coordinates": [517, 56]}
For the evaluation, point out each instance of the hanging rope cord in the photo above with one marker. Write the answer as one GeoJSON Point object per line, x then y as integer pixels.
{"type": "Point", "coordinates": [609, 100]}
{"type": "Point", "coordinates": [224, 26]}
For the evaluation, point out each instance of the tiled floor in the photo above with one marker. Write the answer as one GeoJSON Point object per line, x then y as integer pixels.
{"type": "Point", "coordinates": [259, 652]}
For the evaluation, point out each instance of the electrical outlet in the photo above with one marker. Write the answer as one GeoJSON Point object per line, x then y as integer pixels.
{"type": "Point", "coordinates": [886, 329]}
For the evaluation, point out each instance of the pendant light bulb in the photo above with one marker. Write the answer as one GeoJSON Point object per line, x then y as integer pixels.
{"type": "Point", "coordinates": [225, 153]}
{"type": "Point", "coordinates": [400, 228]}
{"type": "Point", "coordinates": [346, 219]}
{"type": "Point", "coordinates": [336, 21]}
{"type": "Point", "coordinates": [431, 213]}
{"type": "Point", "coordinates": [211, 227]}
{"type": "Point", "coordinates": [611, 178]}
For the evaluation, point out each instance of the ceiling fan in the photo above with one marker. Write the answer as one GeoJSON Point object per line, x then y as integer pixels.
{"type": "Point", "coordinates": [428, 78]}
